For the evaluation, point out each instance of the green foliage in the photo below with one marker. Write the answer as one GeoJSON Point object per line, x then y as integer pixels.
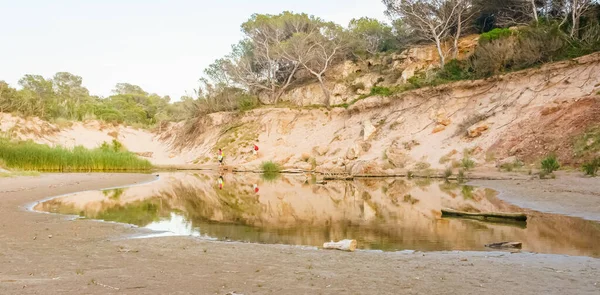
{"type": "Point", "coordinates": [454, 70]}
{"type": "Point", "coordinates": [591, 168]}
{"type": "Point", "coordinates": [64, 97]}
{"type": "Point", "coordinates": [371, 36]}
{"type": "Point", "coordinates": [271, 170]}
{"type": "Point", "coordinates": [140, 213]}
{"type": "Point", "coordinates": [550, 164]}
{"type": "Point", "coordinates": [28, 155]}
{"type": "Point", "coordinates": [467, 163]}
{"type": "Point", "coordinates": [494, 34]}
{"type": "Point", "coordinates": [383, 91]}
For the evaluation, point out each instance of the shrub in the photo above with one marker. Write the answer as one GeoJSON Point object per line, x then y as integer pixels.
{"type": "Point", "coordinates": [550, 164]}
{"type": "Point", "coordinates": [591, 168]}
{"type": "Point", "coordinates": [467, 163]}
{"type": "Point", "coordinates": [247, 102]}
{"type": "Point", "coordinates": [454, 70]}
{"type": "Point", "coordinates": [383, 91]}
{"type": "Point", "coordinates": [270, 170]}
{"type": "Point", "coordinates": [495, 34]}
{"type": "Point", "coordinates": [270, 167]}
{"type": "Point", "coordinates": [447, 172]}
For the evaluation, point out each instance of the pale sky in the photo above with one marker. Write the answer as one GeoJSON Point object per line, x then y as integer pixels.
{"type": "Point", "coordinates": [162, 46]}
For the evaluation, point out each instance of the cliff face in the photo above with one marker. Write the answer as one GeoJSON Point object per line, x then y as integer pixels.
{"type": "Point", "coordinates": [349, 80]}
{"type": "Point", "coordinates": [524, 115]}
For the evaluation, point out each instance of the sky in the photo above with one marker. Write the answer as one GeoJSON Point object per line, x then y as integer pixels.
{"type": "Point", "coordinates": [162, 46]}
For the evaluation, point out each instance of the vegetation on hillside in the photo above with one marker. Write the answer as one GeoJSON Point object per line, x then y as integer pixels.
{"type": "Point", "coordinates": [27, 155]}
{"type": "Point", "coordinates": [282, 51]}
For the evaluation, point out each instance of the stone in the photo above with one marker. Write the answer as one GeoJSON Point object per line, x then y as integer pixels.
{"type": "Point", "coordinates": [353, 152]}
{"type": "Point", "coordinates": [321, 150]}
{"type": "Point", "coordinates": [396, 157]}
{"type": "Point", "coordinates": [509, 160]}
{"type": "Point", "coordinates": [368, 129]}
{"type": "Point", "coordinates": [365, 146]}
{"type": "Point", "coordinates": [477, 131]}
{"type": "Point", "coordinates": [438, 128]}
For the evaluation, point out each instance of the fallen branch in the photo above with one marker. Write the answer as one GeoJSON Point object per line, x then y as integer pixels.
{"type": "Point", "coordinates": [485, 216]}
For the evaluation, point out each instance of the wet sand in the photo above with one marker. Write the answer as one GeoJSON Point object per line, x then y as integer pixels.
{"type": "Point", "coordinates": [569, 194]}
{"type": "Point", "coordinates": [48, 254]}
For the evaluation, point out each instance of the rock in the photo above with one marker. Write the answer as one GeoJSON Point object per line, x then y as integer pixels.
{"type": "Point", "coordinates": [438, 128]}
{"type": "Point", "coordinates": [365, 146]}
{"type": "Point", "coordinates": [364, 167]}
{"type": "Point", "coordinates": [49, 236]}
{"type": "Point", "coordinates": [445, 122]}
{"type": "Point", "coordinates": [303, 166]}
{"type": "Point", "coordinates": [477, 131]}
{"type": "Point", "coordinates": [321, 150]}
{"type": "Point", "coordinates": [353, 152]}
{"type": "Point", "coordinates": [396, 157]}
{"type": "Point", "coordinates": [368, 129]}
{"type": "Point", "coordinates": [509, 160]}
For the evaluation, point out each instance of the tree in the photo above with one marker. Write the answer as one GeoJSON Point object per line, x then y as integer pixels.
{"type": "Point", "coordinates": [577, 8]}
{"type": "Point", "coordinates": [39, 94]}
{"type": "Point", "coordinates": [371, 35]}
{"type": "Point", "coordinates": [256, 63]}
{"type": "Point", "coordinates": [71, 94]}
{"type": "Point", "coordinates": [317, 51]}
{"type": "Point", "coordinates": [432, 19]}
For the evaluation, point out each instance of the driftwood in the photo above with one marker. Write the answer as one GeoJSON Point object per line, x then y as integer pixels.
{"type": "Point", "coordinates": [505, 245]}
{"type": "Point", "coordinates": [344, 245]}
{"type": "Point", "coordinates": [486, 216]}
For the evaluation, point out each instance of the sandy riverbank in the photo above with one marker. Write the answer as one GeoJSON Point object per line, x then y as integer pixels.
{"type": "Point", "coordinates": [85, 256]}
{"type": "Point", "coordinates": [569, 194]}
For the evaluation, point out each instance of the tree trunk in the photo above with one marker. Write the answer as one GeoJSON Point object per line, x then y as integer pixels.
{"type": "Point", "coordinates": [325, 90]}
{"type": "Point", "coordinates": [458, 32]}
{"type": "Point", "coordinates": [438, 44]}
{"type": "Point", "coordinates": [575, 26]}
{"type": "Point", "coordinates": [534, 8]}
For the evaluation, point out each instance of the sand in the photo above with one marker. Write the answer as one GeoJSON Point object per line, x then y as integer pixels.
{"type": "Point", "coordinates": [49, 254]}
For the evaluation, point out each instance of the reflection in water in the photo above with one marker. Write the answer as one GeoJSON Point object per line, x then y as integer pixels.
{"type": "Point", "coordinates": [387, 214]}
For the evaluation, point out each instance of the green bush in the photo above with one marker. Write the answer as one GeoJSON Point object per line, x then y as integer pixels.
{"type": "Point", "coordinates": [247, 102]}
{"type": "Point", "coordinates": [270, 170]}
{"type": "Point", "coordinates": [494, 34]}
{"type": "Point", "coordinates": [550, 164]}
{"type": "Point", "coordinates": [591, 168]}
{"type": "Point", "coordinates": [455, 70]}
{"type": "Point", "coordinates": [27, 155]}
{"type": "Point", "coordinates": [383, 91]}
{"type": "Point", "coordinates": [467, 163]}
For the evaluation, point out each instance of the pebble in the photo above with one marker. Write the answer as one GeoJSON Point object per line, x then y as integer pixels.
{"type": "Point", "coordinates": [50, 236]}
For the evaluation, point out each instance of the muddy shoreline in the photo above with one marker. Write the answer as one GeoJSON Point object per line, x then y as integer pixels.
{"type": "Point", "coordinates": [46, 253]}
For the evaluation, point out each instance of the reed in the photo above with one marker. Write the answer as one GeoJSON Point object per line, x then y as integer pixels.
{"type": "Point", "coordinates": [27, 155]}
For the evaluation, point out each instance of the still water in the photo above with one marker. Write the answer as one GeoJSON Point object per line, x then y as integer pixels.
{"type": "Point", "coordinates": [383, 214]}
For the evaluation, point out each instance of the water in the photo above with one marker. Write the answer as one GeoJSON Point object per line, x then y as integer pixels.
{"type": "Point", "coordinates": [381, 214]}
